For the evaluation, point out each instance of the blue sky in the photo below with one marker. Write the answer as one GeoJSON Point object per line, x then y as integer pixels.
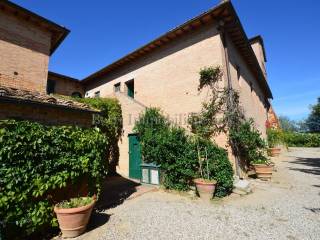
{"type": "Point", "coordinates": [103, 31]}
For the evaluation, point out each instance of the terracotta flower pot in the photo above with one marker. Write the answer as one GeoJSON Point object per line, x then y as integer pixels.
{"type": "Point", "coordinates": [205, 188]}
{"type": "Point", "coordinates": [274, 152]}
{"type": "Point", "coordinates": [263, 171]}
{"type": "Point", "coordinates": [73, 221]}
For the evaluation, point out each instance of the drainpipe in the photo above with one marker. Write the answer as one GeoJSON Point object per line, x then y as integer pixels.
{"type": "Point", "coordinates": [223, 36]}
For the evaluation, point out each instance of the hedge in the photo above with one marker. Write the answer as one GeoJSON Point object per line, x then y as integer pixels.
{"type": "Point", "coordinates": [111, 124]}
{"type": "Point", "coordinates": [293, 139]}
{"type": "Point", "coordinates": [35, 161]}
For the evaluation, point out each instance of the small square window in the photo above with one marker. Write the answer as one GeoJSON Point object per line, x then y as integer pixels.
{"type": "Point", "coordinates": [117, 87]}
{"type": "Point", "coordinates": [97, 94]}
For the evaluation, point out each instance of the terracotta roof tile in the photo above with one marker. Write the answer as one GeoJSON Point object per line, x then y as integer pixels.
{"type": "Point", "coordinates": [36, 97]}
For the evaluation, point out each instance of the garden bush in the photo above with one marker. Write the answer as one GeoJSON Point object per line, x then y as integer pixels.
{"type": "Point", "coordinates": [36, 160]}
{"type": "Point", "coordinates": [294, 139]}
{"type": "Point", "coordinates": [274, 137]}
{"type": "Point", "coordinates": [250, 146]}
{"type": "Point", "coordinates": [177, 153]}
{"type": "Point", "coordinates": [167, 146]}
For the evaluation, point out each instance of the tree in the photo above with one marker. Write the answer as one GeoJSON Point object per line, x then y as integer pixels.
{"type": "Point", "coordinates": [287, 124]}
{"type": "Point", "coordinates": [313, 121]}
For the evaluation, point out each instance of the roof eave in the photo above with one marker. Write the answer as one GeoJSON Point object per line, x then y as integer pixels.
{"type": "Point", "coordinates": [55, 28]}
{"type": "Point", "coordinates": [58, 75]}
{"type": "Point", "coordinates": [218, 12]}
{"type": "Point", "coordinates": [172, 31]}
{"type": "Point", "coordinates": [256, 63]}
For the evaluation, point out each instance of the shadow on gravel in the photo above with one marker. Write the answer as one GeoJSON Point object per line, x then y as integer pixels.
{"type": "Point", "coordinates": [314, 210]}
{"type": "Point", "coordinates": [313, 165]}
{"type": "Point", "coordinates": [97, 219]}
{"type": "Point", "coordinates": [115, 191]}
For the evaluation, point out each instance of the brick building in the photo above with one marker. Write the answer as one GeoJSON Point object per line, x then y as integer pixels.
{"type": "Point", "coordinates": [163, 73]}
{"type": "Point", "coordinates": [27, 41]}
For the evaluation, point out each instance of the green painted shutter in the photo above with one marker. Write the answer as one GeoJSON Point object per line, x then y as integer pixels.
{"type": "Point", "coordinates": [134, 157]}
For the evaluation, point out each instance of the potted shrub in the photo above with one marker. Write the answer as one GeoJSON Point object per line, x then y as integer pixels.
{"type": "Point", "coordinates": [205, 188]}
{"type": "Point", "coordinates": [274, 138]}
{"type": "Point", "coordinates": [205, 185]}
{"type": "Point", "coordinates": [73, 215]}
{"type": "Point", "coordinates": [263, 168]}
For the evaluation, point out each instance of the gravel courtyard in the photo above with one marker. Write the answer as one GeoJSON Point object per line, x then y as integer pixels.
{"type": "Point", "coordinates": [286, 208]}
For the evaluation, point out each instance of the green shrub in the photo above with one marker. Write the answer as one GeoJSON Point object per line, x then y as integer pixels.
{"type": "Point", "coordinates": [177, 153]}
{"type": "Point", "coordinates": [111, 124]}
{"type": "Point", "coordinates": [176, 158]}
{"type": "Point", "coordinates": [35, 160]}
{"type": "Point", "coordinates": [293, 139]}
{"type": "Point", "coordinates": [274, 137]}
{"type": "Point", "coordinates": [167, 146]}
{"type": "Point", "coordinates": [150, 126]}
{"type": "Point", "coordinates": [248, 142]}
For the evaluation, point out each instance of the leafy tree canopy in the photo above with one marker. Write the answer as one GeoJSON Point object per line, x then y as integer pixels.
{"type": "Point", "coordinates": [313, 121]}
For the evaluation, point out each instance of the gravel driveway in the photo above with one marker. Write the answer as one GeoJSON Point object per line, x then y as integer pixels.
{"type": "Point", "coordinates": [286, 208]}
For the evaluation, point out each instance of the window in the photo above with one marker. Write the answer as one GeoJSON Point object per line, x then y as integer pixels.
{"type": "Point", "coordinates": [130, 88]}
{"type": "Point", "coordinates": [97, 94]}
{"type": "Point", "coordinates": [51, 86]}
{"type": "Point", "coordinates": [117, 87]}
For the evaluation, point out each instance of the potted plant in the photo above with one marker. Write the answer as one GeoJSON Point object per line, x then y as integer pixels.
{"type": "Point", "coordinates": [274, 138]}
{"type": "Point", "coordinates": [263, 168]}
{"type": "Point", "coordinates": [205, 185]}
{"type": "Point", "coordinates": [73, 215]}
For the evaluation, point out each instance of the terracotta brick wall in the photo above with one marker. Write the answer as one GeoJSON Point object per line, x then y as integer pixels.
{"type": "Point", "coordinates": [44, 114]}
{"type": "Point", "coordinates": [258, 51]}
{"type": "Point", "coordinates": [131, 110]}
{"type": "Point", "coordinates": [24, 51]}
{"type": "Point", "coordinates": [273, 121]}
{"type": "Point", "coordinates": [66, 87]}
{"type": "Point", "coordinates": [252, 97]}
{"type": "Point", "coordinates": [168, 78]}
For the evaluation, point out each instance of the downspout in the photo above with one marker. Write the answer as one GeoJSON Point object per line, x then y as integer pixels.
{"type": "Point", "coordinates": [223, 37]}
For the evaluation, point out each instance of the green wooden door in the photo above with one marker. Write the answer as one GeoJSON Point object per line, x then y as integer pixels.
{"type": "Point", "coordinates": [134, 157]}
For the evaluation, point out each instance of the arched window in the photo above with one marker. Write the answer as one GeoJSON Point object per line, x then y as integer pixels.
{"type": "Point", "coordinates": [76, 95]}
